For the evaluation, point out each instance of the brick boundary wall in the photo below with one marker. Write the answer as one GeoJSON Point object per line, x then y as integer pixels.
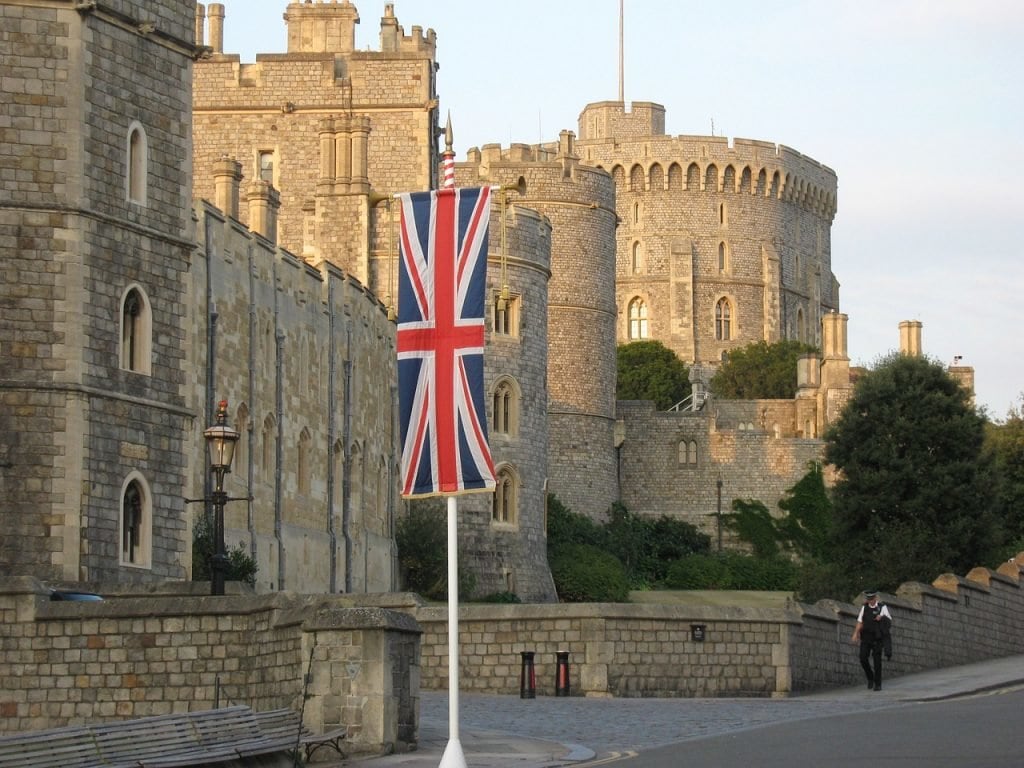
{"type": "Point", "coordinates": [174, 649]}
{"type": "Point", "coordinates": [633, 650]}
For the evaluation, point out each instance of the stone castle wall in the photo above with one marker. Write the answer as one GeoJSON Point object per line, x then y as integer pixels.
{"type": "Point", "coordinates": [638, 650]}
{"type": "Point", "coordinates": [305, 357]}
{"type": "Point", "coordinates": [161, 652]}
{"type": "Point", "coordinates": [76, 424]}
{"type": "Point", "coordinates": [671, 461]}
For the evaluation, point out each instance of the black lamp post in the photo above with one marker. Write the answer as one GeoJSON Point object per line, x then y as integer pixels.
{"type": "Point", "coordinates": [220, 444]}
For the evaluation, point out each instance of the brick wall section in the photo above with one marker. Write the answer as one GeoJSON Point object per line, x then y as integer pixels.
{"type": "Point", "coordinates": [649, 650]}
{"type": "Point", "coordinates": [751, 463]}
{"type": "Point", "coordinates": [329, 381]}
{"type": "Point", "coordinates": [67, 663]}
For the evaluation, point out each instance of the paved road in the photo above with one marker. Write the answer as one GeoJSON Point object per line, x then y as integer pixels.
{"type": "Point", "coordinates": [544, 732]}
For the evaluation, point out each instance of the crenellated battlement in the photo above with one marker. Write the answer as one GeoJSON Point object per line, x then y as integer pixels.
{"type": "Point", "coordinates": [394, 40]}
{"type": "Point", "coordinates": [324, 27]}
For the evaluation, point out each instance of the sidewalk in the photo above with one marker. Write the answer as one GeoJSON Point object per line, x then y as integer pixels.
{"type": "Point", "coordinates": [594, 718]}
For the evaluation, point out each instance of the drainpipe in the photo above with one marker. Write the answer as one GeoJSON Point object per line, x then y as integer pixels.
{"type": "Point", "coordinates": [331, 427]}
{"type": "Point", "coordinates": [279, 451]}
{"type": "Point", "coordinates": [211, 356]}
{"type": "Point", "coordinates": [346, 483]}
{"type": "Point", "coordinates": [251, 437]}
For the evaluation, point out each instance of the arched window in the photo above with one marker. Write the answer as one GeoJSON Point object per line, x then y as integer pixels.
{"type": "Point", "coordinates": [688, 452]}
{"type": "Point", "coordinates": [505, 419]}
{"type": "Point", "coordinates": [241, 462]}
{"type": "Point", "coordinates": [338, 460]}
{"type": "Point", "coordinates": [801, 325]}
{"type": "Point", "coordinates": [136, 332]}
{"type": "Point", "coordinates": [505, 321]}
{"type": "Point", "coordinates": [136, 522]}
{"type": "Point", "coordinates": [636, 213]}
{"type": "Point", "coordinates": [505, 502]}
{"type": "Point", "coordinates": [723, 320]}
{"type": "Point", "coordinates": [382, 496]}
{"type": "Point", "coordinates": [723, 257]}
{"type": "Point", "coordinates": [268, 440]}
{"type": "Point", "coordinates": [723, 215]}
{"type": "Point", "coordinates": [637, 264]}
{"type": "Point", "coordinates": [637, 320]}
{"type": "Point", "coordinates": [305, 471]}
{"type": "Point", "coordinates": [136, 165]}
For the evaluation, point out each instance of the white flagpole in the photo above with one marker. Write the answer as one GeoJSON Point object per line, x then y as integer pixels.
{"type": "Point", "coordinates": [453, 757]}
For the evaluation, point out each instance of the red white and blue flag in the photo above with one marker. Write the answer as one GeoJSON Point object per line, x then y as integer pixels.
{"type": "Point", "coordinates": [441, 300]}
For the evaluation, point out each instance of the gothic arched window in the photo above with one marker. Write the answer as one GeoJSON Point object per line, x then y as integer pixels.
{"type": "Point", "coordinates": [637, 320]}
{"type": "Point", "coordinates": [723, 320]}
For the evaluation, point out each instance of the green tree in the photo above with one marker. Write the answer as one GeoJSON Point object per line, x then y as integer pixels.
{"type": "Point", "coordinates": [807, 516]}
{"type": "Point", "coordinates": [648, 370]}
{"type": "Point", "coordinates": [760, 371]}
{"type": "Point", "coordinates": [915, 495]}
{"type": "Point", "coordinates": [1004, 442]}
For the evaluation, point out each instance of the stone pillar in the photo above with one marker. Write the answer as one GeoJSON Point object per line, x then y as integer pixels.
{"type": "Point", "coordinates": [327, 153]}
{"type": "Point", "coordinates": [343, 154]}
{"type": "Point", "coordinates": [227, 175]}
{"type": "Point", "coordinates": [360, 163]}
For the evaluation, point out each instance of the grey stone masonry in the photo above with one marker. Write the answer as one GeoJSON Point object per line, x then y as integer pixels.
{"type": "Point", "coordinates": [640, 650]}
{"type": "Point", "coordinates": [169, 649]}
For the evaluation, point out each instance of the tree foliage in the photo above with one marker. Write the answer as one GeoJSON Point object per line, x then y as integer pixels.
{"type": "Point", "coordinates": [241, 565]}
{"type": "Point", "coordinates": [648, 370]}
{"type": "Point", "coordinates": [422, 540]}
{"type": "Point", "coordinates": [915, 496]}
{"type": "Point", "coordinates": [760, 371]}
{"type": "Point", "coordinates": [1004, 443]}
{"type": "Point", "coordinates": [644, 548]}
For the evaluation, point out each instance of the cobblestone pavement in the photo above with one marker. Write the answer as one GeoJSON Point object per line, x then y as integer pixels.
{"type": "Point", "coordinates": [618, 725]}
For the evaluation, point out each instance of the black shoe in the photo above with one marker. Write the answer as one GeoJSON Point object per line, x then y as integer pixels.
{"type": "Point", "coordinates": [878, 686]}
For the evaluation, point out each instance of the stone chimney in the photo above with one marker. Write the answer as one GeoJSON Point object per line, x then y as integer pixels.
{"type": "Point", "coordinates": [264, 203]}
{"type": "Point", "coordinates": [227, 175]}
{"type": "Point", "coordinates": [910, 338]}
{"type": "Point", "coordinates": [216, 13]}
{"type": "Point", "coordinates": [200, 33]}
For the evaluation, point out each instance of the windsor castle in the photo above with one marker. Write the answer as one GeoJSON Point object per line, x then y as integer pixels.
{"type": "Point", "coordinates": [180, 227]}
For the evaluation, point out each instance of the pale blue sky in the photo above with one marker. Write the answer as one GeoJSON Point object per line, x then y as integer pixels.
{"type": "Point", "coordinates": [918, 105]}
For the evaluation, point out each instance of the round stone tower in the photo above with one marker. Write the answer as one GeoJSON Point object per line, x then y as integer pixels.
{"type": "Point", "coordinates": [720, 243]}
{"type": "Point", "coordinates": [579, 202]}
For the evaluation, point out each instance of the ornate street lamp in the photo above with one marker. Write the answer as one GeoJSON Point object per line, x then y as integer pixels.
{"type": "Point", "coordinates": [220, 444]}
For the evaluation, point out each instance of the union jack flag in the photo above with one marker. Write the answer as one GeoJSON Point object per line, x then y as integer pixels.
{"type": "Point", "coordinates": [441, 301]}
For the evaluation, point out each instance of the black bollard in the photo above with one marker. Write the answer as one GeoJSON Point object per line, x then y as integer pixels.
{"type": "Point", "coordinates": [562, 674]}
{"type": "Point", "coordinates": [527, 677]}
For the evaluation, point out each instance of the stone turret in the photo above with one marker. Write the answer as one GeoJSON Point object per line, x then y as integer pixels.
{"type": "Point", "coordinates": [321, 27]}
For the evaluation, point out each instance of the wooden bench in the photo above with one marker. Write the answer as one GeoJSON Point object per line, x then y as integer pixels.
{"type": "Point", "coordinates": [282, 721]}
{"type": "Point", "coordinates": [165, 741]}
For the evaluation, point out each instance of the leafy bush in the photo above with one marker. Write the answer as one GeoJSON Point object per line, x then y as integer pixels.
{"type": "Point", "coordinates": [698, 572]}
{"type": "Point", "coordinates": [500, 597]}
{"type": "Point", "coordinates": [644, 547]}
{"type": "Point", "coordinates": [422, 540]}
{"type": "Point", "coordinates": [583, 574]}
{"type": "Point", "coordinates": [241, 565]}
{"type": "Point", "coordinates": [732, 570]}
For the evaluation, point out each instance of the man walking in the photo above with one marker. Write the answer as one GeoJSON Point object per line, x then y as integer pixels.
{"type": "Point", "coordinates": [872, 631]}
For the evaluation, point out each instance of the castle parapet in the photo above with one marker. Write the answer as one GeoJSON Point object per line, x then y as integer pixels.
{"type": "Point", "coordinates": [321, 27]}
{"type": "Point", "coordinates": [394, 40]}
